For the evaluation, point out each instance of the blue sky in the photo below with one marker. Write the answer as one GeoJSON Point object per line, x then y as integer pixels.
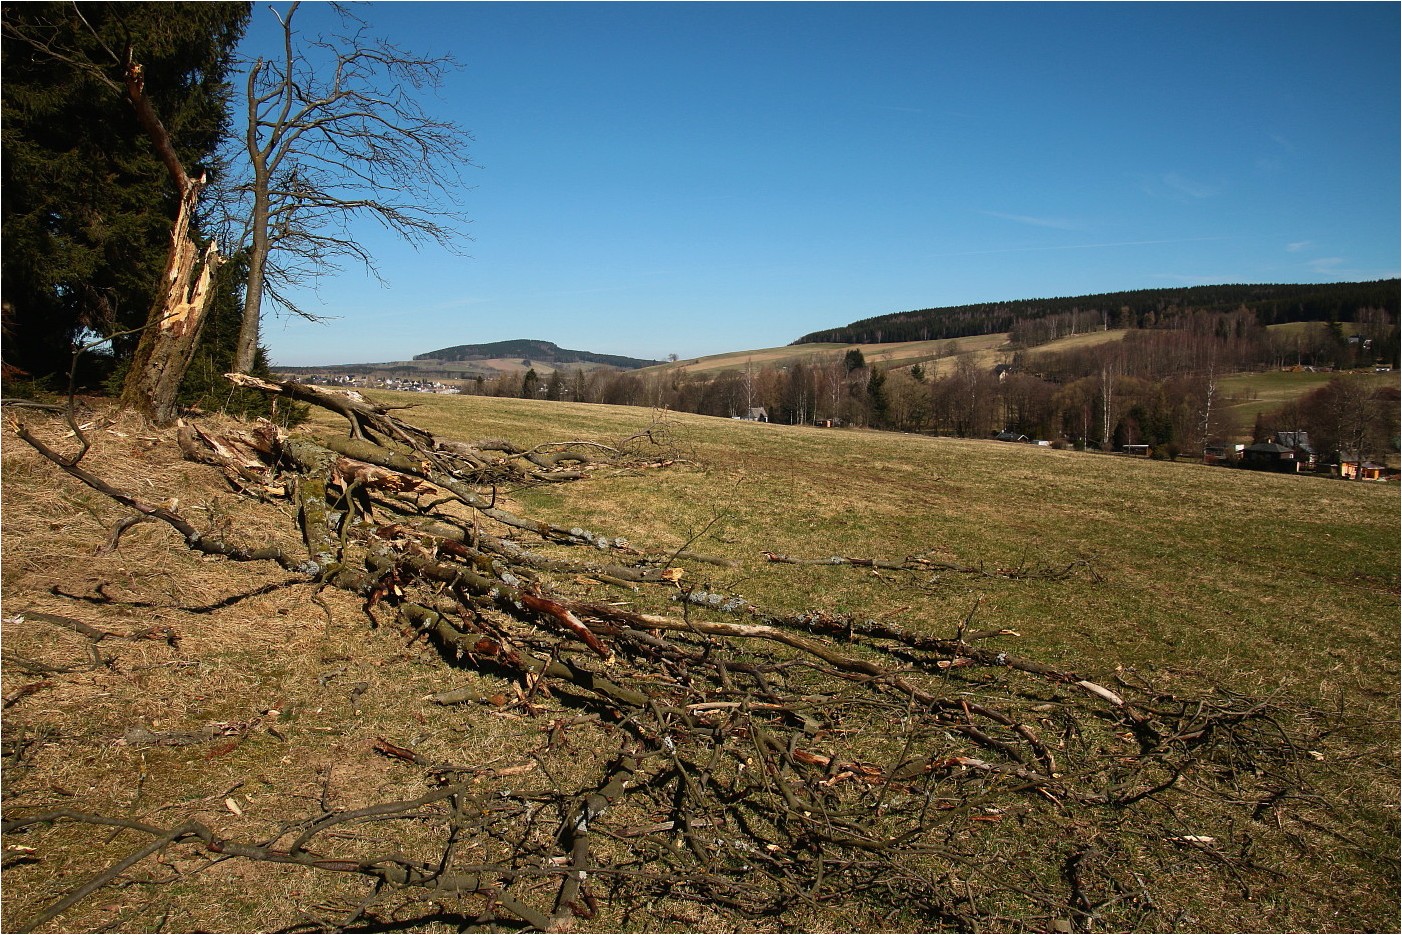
{"type": "Point", "coordinates": [698, 178]}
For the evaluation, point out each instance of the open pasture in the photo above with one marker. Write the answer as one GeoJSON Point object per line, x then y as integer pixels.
{"type": "Point", "coordinates": [1252, 393]}
{"type": "Point", "coordinates": [902, 354]}
{"type": "Point", "coordinates": [1241, 587]}
{"type": "Point", "coordinates": [1174, 541]}
{"type": "Point", "coordinates": [938, 357]}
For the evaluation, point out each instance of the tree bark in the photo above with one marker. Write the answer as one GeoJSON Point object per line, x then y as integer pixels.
{"type": "Point", "coordinates": [247, 348]}
{"type": "Point", "coordinates": [186, 289]}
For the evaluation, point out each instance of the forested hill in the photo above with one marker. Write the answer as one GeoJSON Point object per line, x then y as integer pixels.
{"type": "Point", "coordinates": [535, 351]}
{"type": "Point", "coordinates": [1144, 308]}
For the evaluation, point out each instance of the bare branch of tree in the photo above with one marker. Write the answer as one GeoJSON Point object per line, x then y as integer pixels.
{"type": "Point", "coordinates": [335, 135]}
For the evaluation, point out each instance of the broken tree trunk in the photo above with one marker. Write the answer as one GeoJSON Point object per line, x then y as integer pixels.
{"type": "Point", "coordinates": [186, 289]}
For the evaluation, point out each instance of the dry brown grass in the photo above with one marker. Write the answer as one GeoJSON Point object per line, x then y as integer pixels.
{"type": "Point", "coordinates": [1210, 575]}
{"type": "Point", "coordinates": [938, 357]}
{"type": "Point", "coordinates": [302, 688]}
{"type": "Point", "coordinates": [901, 354]}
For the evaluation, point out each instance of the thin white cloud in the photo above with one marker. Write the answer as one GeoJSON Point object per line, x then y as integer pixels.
{"type": "Point", "coordinates": [1298, 245]}
{"type": "Point", "coordinates": [1340, 267]}
{"type": "Point", "coordinates": [1077, 246]}
{"type": "Point", "coordinates": [1064, 224]}
{"type": "Point", "coordinates": [1272, 162]}
{"type": "Point", "coordinates": [1186, 186]}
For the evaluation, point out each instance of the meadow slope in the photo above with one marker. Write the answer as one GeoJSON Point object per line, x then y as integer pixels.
{"type": "Point", "coordinates": [1204, 567]}
{"type": "Point", "coordinates": [938, 357]}
{"type": "Point", "coordinates": [1181, 575]}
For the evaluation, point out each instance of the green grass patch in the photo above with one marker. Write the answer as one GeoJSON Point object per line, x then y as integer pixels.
{"type": "Point", "coordinates": [1226, 571]}
{"type": "Point", "coordinates": [1250, 394]}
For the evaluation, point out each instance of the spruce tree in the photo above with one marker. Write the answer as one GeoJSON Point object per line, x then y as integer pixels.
{"type": "Point", "coordinates": [88, 205]}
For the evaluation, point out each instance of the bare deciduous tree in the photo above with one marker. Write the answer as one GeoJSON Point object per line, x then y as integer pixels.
{"type": "Point", "coordinates": [1208, 416]}
{"type": "Point", "coordinates": [335, 134]}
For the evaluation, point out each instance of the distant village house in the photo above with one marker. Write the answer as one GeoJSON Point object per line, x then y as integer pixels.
{"type": "Point", "coordinates": [1289, 453]}
{"type": "Point", "coordinates": [1351, 467]}
{"type": "Point", "coordinates": [1220, 452]}
{"type": "Point", "coordinates": [1268, 456]}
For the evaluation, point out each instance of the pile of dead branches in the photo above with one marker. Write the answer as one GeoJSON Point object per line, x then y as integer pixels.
{"type": "Point", "coordinates": [786, 770]}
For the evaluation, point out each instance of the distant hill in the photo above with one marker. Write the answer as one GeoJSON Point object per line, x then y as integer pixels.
{"type": "Point", "coordinates": [545, 352]}
{"type": "Point", "coordinates": [1272, 303]}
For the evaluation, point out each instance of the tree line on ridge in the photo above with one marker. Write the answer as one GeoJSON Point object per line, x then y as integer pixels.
{"type": "Point", "coordinates": [1160, 386]}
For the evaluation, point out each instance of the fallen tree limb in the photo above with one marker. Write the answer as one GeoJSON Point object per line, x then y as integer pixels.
{"type": "Point", "coordinates": [193, 538]}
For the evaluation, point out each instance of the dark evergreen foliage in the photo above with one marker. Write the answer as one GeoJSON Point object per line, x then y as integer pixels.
{"type": "Point", "coordinates": [1272, 304]}
{"type": "Point", "coordinates": [88, 207]}
{"type": "Point", "coordinates": [876, 399]}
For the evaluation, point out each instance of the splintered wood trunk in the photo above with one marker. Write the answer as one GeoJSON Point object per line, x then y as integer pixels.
{"type": "Point", "coordinates": [187, 286]}
{"type": "Point", "coordinates": [173, 326]}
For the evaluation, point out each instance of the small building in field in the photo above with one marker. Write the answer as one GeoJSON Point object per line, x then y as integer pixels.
{"type": "Point", "coordinates": [1299, 442]}
{"type": "Point", "coordinates": [1008, 435]}
{"type": "Point", "coordinates": [755, 414]}
{"type": "Point", "coordinates": [1351, 467]}
{"type": "Point", "coordinates": [1218, 452]}
{"type": "Point", "coordinates": [1136, 451]}
{"type": "Point", "coordinates": [1269, 456]}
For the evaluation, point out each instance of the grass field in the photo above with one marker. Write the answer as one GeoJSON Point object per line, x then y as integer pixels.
{"type": "Point", "coordinates": [937, 356]}
{"type": "Point", "coordinates": [1306, 327]}
{"type": "Point", "coordinates": [1254, 393]}
{"type": "Point", "coordinates": [1180, 538]}
{"type": "Point", "coordinates": [902, 354]}
{"type": "Point", "coordinates": [1269, 586]}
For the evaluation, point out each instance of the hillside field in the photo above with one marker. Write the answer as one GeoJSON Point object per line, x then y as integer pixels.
{"type": "Point", "coordinates": [1252, 393]}
{"type": "Point", "coordinates": [1180, 538]}
{"type": "Point", "coordinates": [938, 357]}
{"type": "Point", "coordinates": [1191, 578]}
